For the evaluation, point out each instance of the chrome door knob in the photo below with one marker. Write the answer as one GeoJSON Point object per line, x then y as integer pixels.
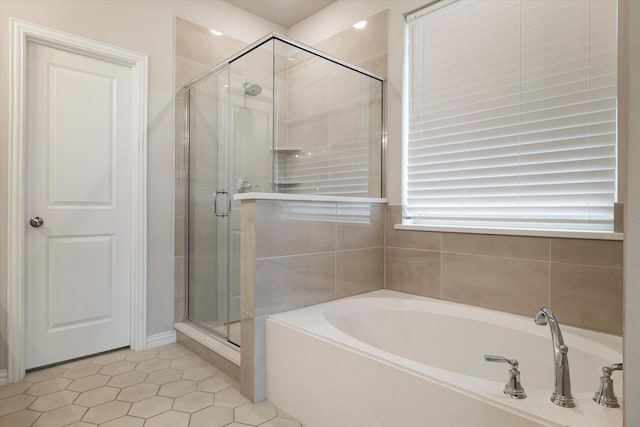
{"type": "Point", "coordinates": [36, 222]}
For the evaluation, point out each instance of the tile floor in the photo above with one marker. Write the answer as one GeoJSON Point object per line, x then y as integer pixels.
{"type": "Point", "coordinates": [162, 387]}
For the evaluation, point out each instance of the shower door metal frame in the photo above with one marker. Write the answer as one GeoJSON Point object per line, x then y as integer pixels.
{"type": "Point", "coordinates": [221, 225]}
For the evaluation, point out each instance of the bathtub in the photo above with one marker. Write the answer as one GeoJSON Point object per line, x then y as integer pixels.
{"type": "Point", "coordinates": [390, 359]}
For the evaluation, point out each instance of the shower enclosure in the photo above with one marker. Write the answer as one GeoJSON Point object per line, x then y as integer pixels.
{"type": "Point", "coordinates": [278, 117]}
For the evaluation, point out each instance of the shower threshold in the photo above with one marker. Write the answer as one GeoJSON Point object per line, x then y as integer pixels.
{"type": "Point", "coordinates": [218, 345]}
{"type": "Point", "coordinates": [234, 331]}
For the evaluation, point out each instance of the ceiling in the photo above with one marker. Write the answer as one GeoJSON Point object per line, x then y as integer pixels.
{"type": "Point", "coordinates": [285, 13]}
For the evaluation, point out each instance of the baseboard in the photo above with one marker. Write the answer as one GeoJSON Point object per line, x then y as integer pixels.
{"type": "Point", "coordinates": [163, 338]}
{"type": "Point", "coordinates": [4, 376]}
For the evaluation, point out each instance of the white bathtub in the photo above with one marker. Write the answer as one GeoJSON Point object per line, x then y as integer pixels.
{"type": "Point", "coordinates": [390, 359]}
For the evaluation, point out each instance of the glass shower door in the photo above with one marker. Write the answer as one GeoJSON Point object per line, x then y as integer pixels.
{"type": "Point", "coordinates": [209, 204]}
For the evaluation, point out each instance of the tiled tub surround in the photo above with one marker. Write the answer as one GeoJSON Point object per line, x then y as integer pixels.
{"type": "Point", "coordinates": [389, 358]}
{"type": "Point", "coordinates": [299, 253]}
{"type": "Point", "coordinates": [580, 279]}
{"type": "Point", "coordinates": [302, 253]}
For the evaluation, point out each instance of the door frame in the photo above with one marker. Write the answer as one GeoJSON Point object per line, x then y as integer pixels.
{"type": "Point", "coordinates": [21, 34]}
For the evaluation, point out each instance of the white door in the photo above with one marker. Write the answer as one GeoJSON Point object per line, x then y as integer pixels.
{"type": "Point", "coordinates": [78, 171]}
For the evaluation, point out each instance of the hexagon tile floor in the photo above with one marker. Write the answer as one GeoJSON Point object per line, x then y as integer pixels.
{"type": "Point", "coordinates": [162, 387]}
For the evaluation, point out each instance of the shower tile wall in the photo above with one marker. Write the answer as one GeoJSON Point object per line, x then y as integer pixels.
{"type": "Point", "coordinates": [331, 115]}
{"type": "Point", "coordinates": [196, 50]}
{"type": "Point", "coordinates": [581, 280]}
{"type": "Point", "coordinates": [366, 48]}
{"type": "Point", "coordinates": [297, 254]}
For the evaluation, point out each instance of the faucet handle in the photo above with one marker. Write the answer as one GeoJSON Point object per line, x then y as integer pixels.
{"type": "Point", "coordinates": [513, 388]}
{"type": "Point", "coordinates": [492, 358]}
{"type": "Point", "coordinates": [605, 395]}
{"type": "Point", "coordinates": [610, 369]}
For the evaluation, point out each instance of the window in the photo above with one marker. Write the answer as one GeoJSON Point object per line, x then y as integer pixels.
{"type": "Point", "coordinates": [512, 114]}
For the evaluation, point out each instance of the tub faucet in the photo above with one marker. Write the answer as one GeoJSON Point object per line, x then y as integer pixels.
{"type": "Point", "coordinates": [562, 393]}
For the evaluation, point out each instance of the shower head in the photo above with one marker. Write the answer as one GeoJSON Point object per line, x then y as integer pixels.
{"type": "Point", "coordinates": [251, 89]}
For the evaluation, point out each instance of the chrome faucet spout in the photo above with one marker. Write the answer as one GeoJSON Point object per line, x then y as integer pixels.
{"type": "Point", "coordinates": [562, 391]}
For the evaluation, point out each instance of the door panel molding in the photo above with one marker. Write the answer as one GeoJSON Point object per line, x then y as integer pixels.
{"type": "Point", "coordinates": [21, 34]}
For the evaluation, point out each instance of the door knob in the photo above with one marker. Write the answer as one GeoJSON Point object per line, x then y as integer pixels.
{"type": "Point", "coordinates": [36, 222]}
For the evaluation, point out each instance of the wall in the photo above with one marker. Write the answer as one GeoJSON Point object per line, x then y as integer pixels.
{"type": "Point", "coordinates": [340, 16]}
{"type": "Point", "coordinates": [148, 28]}
{"type": "Point", "coordinates": [580, 280]}
{"type": "Point", "coordinates": [516, 274]}
{"type": "Point", "coordinates": [631, 12]}
{"type": "Point", "coordinates": [566, 262]}
{"type": "Point", "coordinates": [333, 114]}
{"type": "Point", "coordinates": [296, 254]}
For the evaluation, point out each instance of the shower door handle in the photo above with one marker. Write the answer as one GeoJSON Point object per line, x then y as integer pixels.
{"type": "Point", "coordinates": [225, 203]}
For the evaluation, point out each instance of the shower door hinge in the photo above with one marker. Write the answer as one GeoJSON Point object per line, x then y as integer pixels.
{"type": "Point", "coordinates": [221, 207]}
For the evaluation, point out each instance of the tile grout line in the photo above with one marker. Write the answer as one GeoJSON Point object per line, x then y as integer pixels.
{"type": "Point", "coordinates": [360, 249]}
{"type": "Point", "coordinates": [295, 255]}
{"type": "Point", "coordinates": [335, 254]}
{"type": "Point", "coordinates": [441, 264]}
{"type": "Point", "coordinates": [549, 277]}
{"type": "Point", "coordinates": [384, 248]}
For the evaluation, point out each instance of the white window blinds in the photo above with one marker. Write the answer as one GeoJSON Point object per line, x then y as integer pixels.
{"type": "Point", "coordinates": [512, 114]}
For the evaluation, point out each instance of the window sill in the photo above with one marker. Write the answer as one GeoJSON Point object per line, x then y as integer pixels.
{"type": "Point", "coordinates": [590, 235]}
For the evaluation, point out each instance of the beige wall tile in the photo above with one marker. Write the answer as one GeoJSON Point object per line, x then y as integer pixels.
{"type": "Point", "coordinates": [590, 252]}
{"type": "Point", "coordinates": [494, 245]}
{"type": "Point", "coordinates": [354, 45]}
{"type": "Point", "coordinates": [413, 271]}
{"type": "Point", "coordinates": [253, 359]}
{"type": "Point", "coordinates": [180, 198]}
{"type": "Point", "coordinates": [587, 296]}
{"type": "Point", "coordinates": [247, 258]}
{"type": "Point", "coordinates": [260, 360]}
{"type": "Point", "coordinates": [360, 226]}
{"type": "Point", "coordinates": [507, 284]}
{"type": "Point", "coordinates": [308, 102]}
{"type": "Point", "coordinates": [179, 133]}
{"type": "Point", "coordinates": [187, 70]}
{"type": "Point", "coordinates": [179, 237]}
{"type": "Point", "coordinates": [407, 238]}
{"type": "Point", "coordinates": [199, 44]}
{"type": "Point", "coordinates": [286, 283]}
{"type": "Point", "coordinates": [247, 384]}
{"type": "Point", "coordinates": [376, 64]}
{"type": "Point", "coordinates": [179, 309]}
{"type": "Point", "coordinates": [289, 228]}
{"type": "Point", "coordinates": [179, 289]}
{"type": "Point", "coordinates": [359, 271]}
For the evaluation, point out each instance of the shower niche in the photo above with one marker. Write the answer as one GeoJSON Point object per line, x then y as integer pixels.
{"type": "Point", "coordinates": [277, 117]}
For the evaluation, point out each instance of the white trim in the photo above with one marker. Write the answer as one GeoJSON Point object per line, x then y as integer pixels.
{"type": "Point", "coordinates": [163, 338]}
{"type": "Point", "coordinates": [21, 33]}
{"type": "Point", "coordinates": [4, 376]}
{"type": "Point", "coordinates": [214, 344]}
{"type": "Point", "coordinates": [513, 232]}
{"type": "Point", "coordinates": [306, 197]}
